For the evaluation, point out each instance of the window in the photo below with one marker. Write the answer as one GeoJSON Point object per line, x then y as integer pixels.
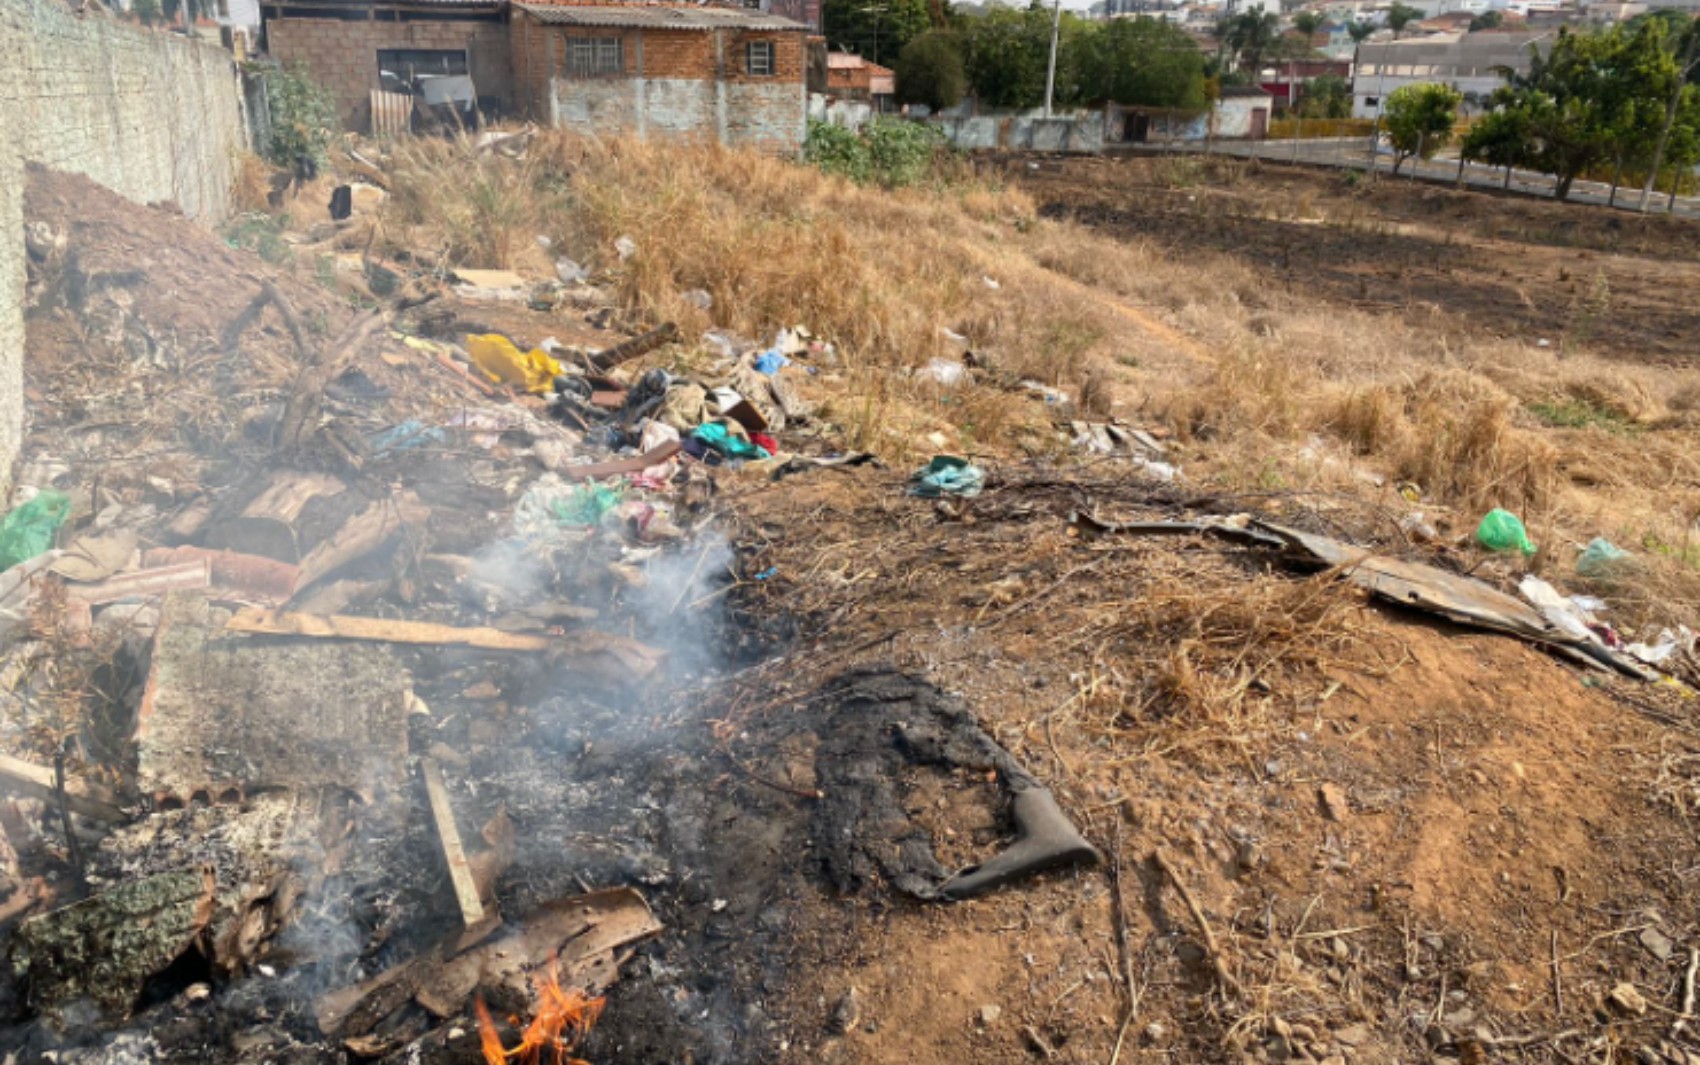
{"type": "Point", "coordinates": [397, 67]}
{"type": "Point", "coordinates": [593, 57]}
{"type": "Point", "coordinates": [760, 59]}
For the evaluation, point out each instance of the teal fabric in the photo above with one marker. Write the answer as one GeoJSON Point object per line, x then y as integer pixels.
{"type": "Point", "coordinates": [947, 475]}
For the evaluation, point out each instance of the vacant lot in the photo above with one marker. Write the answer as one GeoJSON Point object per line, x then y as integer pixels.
{"type": "Point", "coordinates": [1450, 260]}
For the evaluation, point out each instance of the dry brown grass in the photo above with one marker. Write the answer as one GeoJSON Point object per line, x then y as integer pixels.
{"type": "Point", "coordinates": [252, 184]}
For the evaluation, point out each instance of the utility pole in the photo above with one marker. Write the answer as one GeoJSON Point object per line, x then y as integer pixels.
{"type": "Point", "coordinates": [1051, 70]}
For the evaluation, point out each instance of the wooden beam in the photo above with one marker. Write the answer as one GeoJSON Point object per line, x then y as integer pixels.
{"type": "Point", "coordinates": [36, 782]}
{"type": "Point", "coordinates": [454, 852]}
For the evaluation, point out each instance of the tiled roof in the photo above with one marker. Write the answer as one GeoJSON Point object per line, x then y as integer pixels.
{"type": "Point", "coordinates": [658, 16]}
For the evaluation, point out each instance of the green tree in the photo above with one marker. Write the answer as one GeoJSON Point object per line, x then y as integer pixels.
{"type": "Point", "coordinates": [1140, 62]}
{"type": "Point", "coordinates": [1419, 120]}
{"type": "Point", "coordinates": [1687, 48]}
{"type": "Point", "coordinates": [877, 29]}
{"type": "Point", "coordinates": [1401, 15]}
{"type": "Point", "coordinates": [1251, 35]}
{"type": "Point", "coordinates": [1498, 138]}
{"type": "Point", "coordinates": [1572, 111]}
{"type": "Point", "coordinates": [1327, 96]}
{"type": "Point", "coordinates": [1006, 54]}
{"type": "Point", "coordinates": [1487, 20]}
{"type": "Point", "coordinates": [147, 11]}
{"type": "Point", "coordinates": [930, 71]}
{"type": "Point", "coordinates": [304, 117]}
{"type": "Point", "coordinates": [1359, 30]}
{"type": "Point", "coordinates": [1308, 23]}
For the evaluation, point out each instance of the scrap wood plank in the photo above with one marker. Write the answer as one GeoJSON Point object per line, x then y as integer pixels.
{"type": "Point", "coordinates": [36, 782]}
{"type": "Point", "coordinates": [454, 852]}
{"type": "Point", "coordinates": [630, 655]}
{"type": "Point", "coordinates": [655, 456]}
{"type": "Point", "coordinates": [629, 349]}
{"type": "Point", "coordinates": [582, 933]}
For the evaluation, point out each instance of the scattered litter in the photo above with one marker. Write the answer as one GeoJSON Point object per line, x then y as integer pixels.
{"type": "Point", "coordinates": [727, 438]}
{"type": "Point", "coordinates": [28, 530]}
{"type": "Point", "coordinates": [770, 362]}
{"type": "Point", "coordinates": [1501, 530]}
{"type": "Point", "coordinates": [587, 503]}
{"type": "Point", "coordinates": [570, 272]}
{"type": "Point", "coordinates": [698, 298]}
{"type": "Point", "coordinates": [95, 557]}
{"type": "Point", "coordinates": [406, 436]}
{"type": "Point", "coordinates": [625, 247]}
{"type": "Point", "coordinates": [1602, 558]}
{"type": "Point", "coordinates": [947, 475]}
{"type": "Point", "coordinates": [946, 372]}
{"type": "Point", "coordinates": [497, 356]}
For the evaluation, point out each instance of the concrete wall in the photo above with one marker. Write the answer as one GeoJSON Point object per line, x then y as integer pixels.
{"type": "Point", "coordinates": [151, 115]}
{"type": "Point", "coordinates": [342, 54]}
{"type": "Point", "coordinates": [678, 83]}
{"type": "Point", "coordinates": [851, 114]}
{"type": "Point", "coordinates": [1024, 131]}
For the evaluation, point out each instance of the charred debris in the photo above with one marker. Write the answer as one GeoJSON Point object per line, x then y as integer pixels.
{"type": "Point", "coordinates": [363, 668]}
{"type": "Point", "coordinates": [356, 664]}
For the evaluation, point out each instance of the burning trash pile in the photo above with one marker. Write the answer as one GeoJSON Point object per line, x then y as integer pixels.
{"type": "Point", "coordinates": [279, 582]}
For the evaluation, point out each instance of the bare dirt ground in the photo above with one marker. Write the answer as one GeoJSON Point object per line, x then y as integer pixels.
{"type": "Point", "coordinates": [1435, 257]}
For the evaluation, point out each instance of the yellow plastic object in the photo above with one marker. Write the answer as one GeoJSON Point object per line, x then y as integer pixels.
{"type": "Point", "coordinates": [496, 355]}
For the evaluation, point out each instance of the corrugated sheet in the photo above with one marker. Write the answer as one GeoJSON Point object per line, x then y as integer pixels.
{"type": "Point", "coordinates": [392, 113]}
{"type": "Point", "coordinates": [655, 16]}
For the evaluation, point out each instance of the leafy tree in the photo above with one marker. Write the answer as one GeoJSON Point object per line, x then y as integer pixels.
{"type": "Point", "coordinates": [1498, 138]}
{"type": "Point", "coordinates": [304, 117]}
{"type": "Point", "coordinates": [1328, 96]}
{"type": "Point", "coordinates": [1573, 114]}
{"type": "Point", "coordinates": [930, 71]}
{"type": "Point", "coordinates": [1250, 36]}
{"type": "Point", "coordinates": [1401, 15]}
{"type": "Point", "coordinates": [1487, 20]}
{"type": "Point", "coordinates": [1687, 48]}
{"type": "Point", "coordinates": [1006, 57]}
{"type": "Point", "coordinates": [1419, 120]}
{"type": "Point", "coordinates": [1308, 23]}
{"type": "Point", "coordinates": [1140, 62]}
{"type": "Point", "coordinates": [1359, 30]}
{"type": "Point", "coordinates": [148, 11]}
{"type": "Point", "coordinates": [874, 28]}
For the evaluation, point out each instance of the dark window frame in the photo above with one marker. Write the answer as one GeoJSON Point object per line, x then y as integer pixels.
{"type": "Point", "coordinates": [770, 60]}
{"type": "Point", "coordinates": [595, 57]}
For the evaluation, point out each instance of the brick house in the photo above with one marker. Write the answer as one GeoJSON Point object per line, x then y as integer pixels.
{"type": "Point", "coordinates": [731, 74]}
{"type": "Point", "coordinates": [354, 47]}
{"type": "Point", "coordinates": [853, 77]}
{"type": "Point", "coordinates": [718, 71]}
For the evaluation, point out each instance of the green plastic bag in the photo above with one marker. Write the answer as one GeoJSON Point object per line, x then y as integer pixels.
{"type": "Point", "coordinates": [947, 475]}
{"type": "Point", "coordinates": [587, 504]}
{"type": "Point", "coordinates": [29, 529]}
{"type": "Point", "coordinates": [1601, 558]}
{"type": "Point", "coordinates": [1502, 530]}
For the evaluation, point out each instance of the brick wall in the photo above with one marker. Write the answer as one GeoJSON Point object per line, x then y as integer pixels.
{"type": "Point", "coordinates": [151, 115]}
{"type": "Point", "coordinates": [342, 54]}
{"type": "Point", "coordinates": [676, 83]}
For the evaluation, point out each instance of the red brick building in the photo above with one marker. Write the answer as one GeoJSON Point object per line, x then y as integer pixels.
{"type": "Point", "coordinates": [731, 74]}
{"type": "Point", "coordinates": [853, 77]}
{"type": "Point", "coordinates": [712, 70]}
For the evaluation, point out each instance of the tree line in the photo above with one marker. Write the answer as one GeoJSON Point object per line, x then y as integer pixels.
{"type": "Point", "coordinates": [1001, 56]}
{"type": "Point", "coordinates": [1622, 101]}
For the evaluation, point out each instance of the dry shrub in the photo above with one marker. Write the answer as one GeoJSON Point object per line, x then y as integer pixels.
{"type": "Point", "coordinates": [474, 208]}
{"type": "Point", "coordinates": [1222, 652]}
{"type": "Point", "coordinates": [1248, 391]}
{"type": "Point", "coordinates": [1685, 398]}
{"type": "Point", "coordinates": [253, 183]}
{"type": "Point", "coordinates": [1094, 396]}
{"type": "Point", "coordinates": [1453, 433]}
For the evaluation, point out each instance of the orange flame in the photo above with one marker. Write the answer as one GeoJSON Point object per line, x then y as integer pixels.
{"type": "Point", "coordinates": [564, 1017]}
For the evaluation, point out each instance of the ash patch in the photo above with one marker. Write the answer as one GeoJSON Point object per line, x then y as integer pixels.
{"type": "Point", "coordinates": [883, 724]}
